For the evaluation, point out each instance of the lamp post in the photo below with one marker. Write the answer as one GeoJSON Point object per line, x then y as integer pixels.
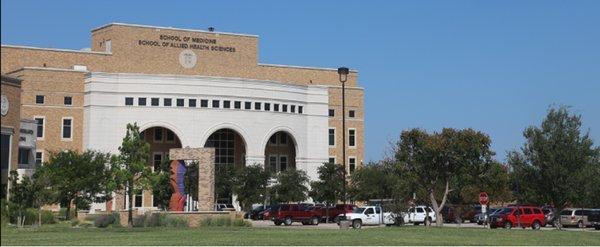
{"type": "Point", "coordinates": [343, 73]}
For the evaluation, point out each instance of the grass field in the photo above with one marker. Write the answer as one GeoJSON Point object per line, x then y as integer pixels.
{"type": "Point", "coordinates": [62, 234]}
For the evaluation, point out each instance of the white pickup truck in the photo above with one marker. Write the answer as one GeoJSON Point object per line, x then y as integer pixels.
{"type": "Point", "coordinates": [369, 215]}
{"type": "Point", "coordinates": [419, 214]}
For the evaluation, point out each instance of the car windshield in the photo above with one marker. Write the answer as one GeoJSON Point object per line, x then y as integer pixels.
{"type": "Point", "coordinates": [358, 210]}
{"type": "Point", "coordinates": [504, 211]}
{"type": "Point", "coordinates": [566, 212]}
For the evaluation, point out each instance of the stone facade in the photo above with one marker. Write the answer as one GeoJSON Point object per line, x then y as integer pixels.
{"type": "Point", "coordinates": [11, 122]}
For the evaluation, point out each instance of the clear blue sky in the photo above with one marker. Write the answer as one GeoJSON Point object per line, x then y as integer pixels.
{"type": "Point", "coordinates": [495, 66]}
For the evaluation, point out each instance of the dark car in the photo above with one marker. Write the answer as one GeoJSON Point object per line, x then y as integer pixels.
{"type": "Point", "coordinates": [594, 219]}
{"type": "Point", "coordinates": [451, 214]}
{"type": "Point", "coordinates": [255, 213]}
{"type": "Point", "coordinates": [480, 217]}
{"type": "Point", "coordinates": [550, 216]}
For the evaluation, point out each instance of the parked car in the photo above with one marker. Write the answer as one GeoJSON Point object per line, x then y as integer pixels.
{"type": "Point", "coordinates": [266, 214]}
{"type": "Point", "coordinates": [288, 213]}
{"type": "Point", "coordinates": [255, 213]}
{"type": "Point", "coordinates": [480, 217]}
{"type": "Point", "coordinates": [369, 215]}
{"type": "Point", "coordinates": [470, 212]}
{"type": "Point", "coordinates": [524, 216]}
{"type": "Point", "coordinates": [419, 214]}
{"type": "Point", "coordinates": [575, 217]}
{"type": "Point", "coordinates": [224, 207]}
{"type": "Point", "coordinates": [594, 219]}
{"type": "Point", "coordinates": [551, 219]}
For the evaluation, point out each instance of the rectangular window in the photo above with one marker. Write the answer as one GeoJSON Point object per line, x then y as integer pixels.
{"type": "Point", "coordinates": [156, 161]}
{"type": "Point", "coordinates": [352, 164]}
{"type": "Point", "coordinates": [331, 160]}
{"type": "Point", "coordinates": [154, 101]}
{"type": "Point", "coordinates": [68, 100]}
{"type": "Point", "coordinates": [142, 101]}
{"type": "Point", "coordinates": [128, 100]}
{"type": "Point", "coordinates": [237, 105]}
{"type": "Point", "coordinates": [256, 105]}
{"type": "Point", "coordinates": [331, 112]}
{"type": "Point", "coordinates": [267, 106]}
{"type": "Point", "coordinates": [23, 158]}
{"type": "Point", "coordinates": [180, 102]}
{"type": "Point", "coordinates": [39, 158]}
{"type": "Point", "coordinates": [282, 163]}
{"type": "Point", "coordinates": [138, 199]}
{"type": "Point", "coordinates": [273, 140]}
{"type": "Point", "coordinates": [283, 138]}
{"type": "Point", "coordinates": [192, 102]}
{"type": "Point", "coordinates": [351, 113]}
{"type": "Point", "coordinates": [226, 104]}
{"type": "Point", "coordinates": [284, 108]}
{"type": "Point", "coordinates": [67, 128]}
{"type": "Point", "coordinates": [300, 109]}
{"type": "Point", "coordinates": [215, 104]}
{"type": "Point", "coordinates": [331, 137]}
{"type": "Point", "coordinates": [39, 99]}
{"type": "Point", "coordinates": [167, 102]}
{"type": "Point", "coordinates": [40, 127]}
{"type": "Point", "coordinates": [275, 107]}
{"type": "Point", "coordinates": [158, 134]}
{"type": "Point", "coordinates": [293, 108]}
{"type": "Point", "coordinates": [247, 105]}
{"type": "Point", "coordinates": [170, 136]}
{"type": "Point", "coordinates": [273, 163]}
{"type": "Point", "coordinates": [352, 138]}
{"type": "Point", "coordinates": [204, 103]}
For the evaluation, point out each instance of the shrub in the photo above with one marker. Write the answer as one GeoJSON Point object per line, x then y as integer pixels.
{"type": "Point", "coordinates": [224, 221]}
{"type": "Point", "coordinates": [104, 220]}
{"type": "Point", "coordinates": [91, 217]}
{"type": "Point", "coordinates": [75, 222]}
{"type": "Point", "coordinates": [4, 212]}
{"type": "Point", "coordinates": [172, 221]}
{"type": "Point", "coordinates": [139, 221]}
{"type": "Point", "coordinates": [117, 218]}
{"type": "Point", "coordinates": [63, 211]}
{"type": "Point", "coordinates": [241, 223]}
{"type": "Point", "coordinates": [48, 217]}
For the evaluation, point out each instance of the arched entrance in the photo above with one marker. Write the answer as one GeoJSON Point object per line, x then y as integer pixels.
{"type": "Point", "coordinates": [230, 153]}
{"type": "Point", "coordinates": [280, 152]}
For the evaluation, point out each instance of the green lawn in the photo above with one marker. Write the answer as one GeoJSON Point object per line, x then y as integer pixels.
{"type": "Point", "coordinates": [65, 235]}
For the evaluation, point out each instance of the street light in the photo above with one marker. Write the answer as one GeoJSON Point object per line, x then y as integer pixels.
{"type": "Point", "coordinates": [343, 73]}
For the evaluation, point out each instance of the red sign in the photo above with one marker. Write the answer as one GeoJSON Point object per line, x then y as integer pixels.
{"type": "Point", "coordinates": [483, 198]}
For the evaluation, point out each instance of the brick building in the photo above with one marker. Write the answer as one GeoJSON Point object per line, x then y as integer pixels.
{"type": "Point", "coordinates": [186, 88]}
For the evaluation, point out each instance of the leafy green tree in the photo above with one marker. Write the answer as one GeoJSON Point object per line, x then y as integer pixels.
{"type": "Point", "coordinates": [132, 171]}
{"type": "Point", "coordinates": [82, 178]}
{"type": "Point", "coordinates": [291, 186]}
{"type": "Point", "coordinates": [250, 185]}
{"type": "Point", "coordinates": [21, 197]}
{"type": "Point", "coordinates": [161, 185]}
{"type": "Point", "coordinates": [555, 162]}
{"type": "Point", "coordinates": [42, 191]}
{"type": "Point", "coordinates": [434, 160]}
{"type": "Point", "coordinates": [329, 187]}
{"type": "Point", "coordinates": [224, 175]}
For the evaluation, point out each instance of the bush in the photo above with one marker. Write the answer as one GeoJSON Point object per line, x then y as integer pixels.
{"type": "Point", "coordinates": [4, 212]}
{"type": "Point", "coordinates": [48, 217]}
{"type": "Point", "coordinates": [241, 223]}
{"type": "Point", "coordinates": [91, 217]}
{"type": "Point", "coordinates": [159, 220]}
{"type": "Point", "coordinates": [224, 221]}
{"type": "Point", "coordinates": [172, 221]}
{"type": "Point", "coordinates": [63, 211]}
{"type": "Point", "coordinates": [139, 221]}
{"type": "Point", "coordinates": [104, 220]}
{"type": "Point", "coordinates": [75, 222]}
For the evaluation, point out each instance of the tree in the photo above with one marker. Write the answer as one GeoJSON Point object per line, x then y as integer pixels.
{"type": "Point", "coordinates": [81, 178]}
{"type": "Point", "coordinates": [224, 175]}
{"type": "Point", "coordinates": [21, 197]}
{"type": "Point", "coordinates": [250, 184]}
{"type": "Point", "coordinates": [161, 186]}
{"type": "Point", "coordinates": [436, 159]}
{"type": "Point", "coordinates": [43, 192]}
{"type": "Point", "coordinates": [291, 186]}
{"type": "Point", "coordinates": [132, 171]}
{"type": "Point", "coordinates": [555, 162]}
{"type": "Point", "coordinates": [329, 187]}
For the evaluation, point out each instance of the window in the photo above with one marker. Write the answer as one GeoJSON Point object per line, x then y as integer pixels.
{"type": "Point", "coordinates": [331, 112]}
{"type": "Point", "coordinates": [170, 136]}
{"type": "Point", "coordinates": [154, 101]}
{"type": "Point", "coordinates": [192, 102]}
{"type": "Point", "coordinates": [215, 104]}
{"type": "Point", "coordinates": [300, 110]}
{"type": "Point", "coordinates": [267, 106]}
{"type": "Point", "coordinates": [157, 161]}
{"type": "Point", "coordinates": [420, 210]}
{"type": "Point", "coordinates": [138, 199]}
{"type": "Point", "coordinates": [158, 134]}
{"type": "Point", "coordinates": [180, 102]}
{"type": "Point", "coordinates": [67, 128]}
{"type": "Point", "coordinates": [68, 100]}
{"type": "Point", "coordinates": [275, 107]}
{"type": "Point", "coordinates": [282, 163]}
{"type": "Point", "coordinates": [237, 104]}
{"type": "Point", "coordinates": [142, 101]}
{"type": "Point", "coordinates": [39, 158]}
{"type": "Point", "coordinates": [331, 137]}
{"type": "Point", "coordinates": [332, 160]}
{"type": "Point", "coordinates": [284, 108]}
{"type": "Point", "coordinates": [224, 143]}
{"type": "Point", "coordinates": [370, 211]}
{"type": "Point", "coordinates": [351, 113]}
{"type": "Point", "coordinates": [283, 138]}
{"type": "Point", "coordinates": [273, 140]}
{"type": "Point", "coordinates": [247, 105]}
{"type": "Point", "coordinates": [39, 99]}
{"type": "Point", "coordinates": [257, 106]}
{"type": "Point", "coordinates": [23, 158]}
{"type": "Point", "coordinates": [167, 102]}
{"type": "Point", "coordinates": [128, 100]}
{"type": "Point", "coordinates": [40, 127]}
{"type": "Point", "coordinates": [527, 211]}
{"type": "Point", "coordinates": [273, 163]}
{"type": "Point", "coordinates": [226, 104]}
{"type": "Point", "coordinates": [293, 108]}
{"type": "Point", "coordinates": [352, 164]}
{"type": "Point", "coordinates": [352, 138]}
{"type": "Point", "coordinates": [204, 103]}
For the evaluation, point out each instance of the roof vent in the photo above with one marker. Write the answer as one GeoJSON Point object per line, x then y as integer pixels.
{"type": "Point", "coordinates": [211, 29]}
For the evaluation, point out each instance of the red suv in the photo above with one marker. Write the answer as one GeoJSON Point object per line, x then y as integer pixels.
{"type": "Point", "coordinates": [288, 213]}
{"type": "Point", "coordinates": [525, 216]}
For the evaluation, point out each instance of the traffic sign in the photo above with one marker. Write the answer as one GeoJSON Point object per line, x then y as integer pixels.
{"type": "Point", "coordinates": [483, 198]}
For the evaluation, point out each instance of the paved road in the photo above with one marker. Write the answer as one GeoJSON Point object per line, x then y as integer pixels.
{"type": "Point", "coordinates": [298, 225]}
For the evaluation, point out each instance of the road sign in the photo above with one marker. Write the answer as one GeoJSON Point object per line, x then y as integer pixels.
{"type": "Point", "coordinates": [483, 198]}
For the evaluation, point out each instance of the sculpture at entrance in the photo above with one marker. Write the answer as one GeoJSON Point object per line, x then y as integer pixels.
{"type": "Point", "coordinates": [179, 197]}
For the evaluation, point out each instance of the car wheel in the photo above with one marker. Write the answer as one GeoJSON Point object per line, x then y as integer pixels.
{"type": "Point", "coordinates": [356, 224]}
{"type": "Point", "coordinates": [277, 223]}
{"type": "Point", "coordinates": [597, 227]}
{"type": "Point", "coordinates": [314, 221]}
{"type": "Point", "coordinates": [416, 223]}
{"type": "Point", "coordinates": [536, 225]}
{"type": "Point", "coordinates": [507, 225]}
{"type": "Point", "coordinates": [287, 221]}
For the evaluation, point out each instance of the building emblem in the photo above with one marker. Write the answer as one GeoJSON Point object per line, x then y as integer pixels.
{"type": "Point", "coordinates": [4, 105]}
{"type": "Point", "coordinates": [187, 59]}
